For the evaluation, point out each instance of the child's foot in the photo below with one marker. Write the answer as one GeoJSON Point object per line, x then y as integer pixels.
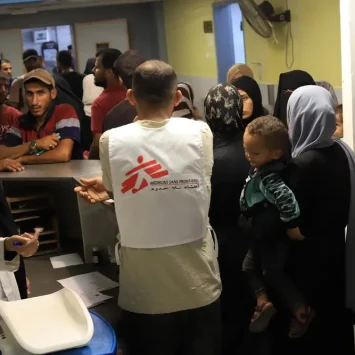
{"type": "Point", "coordinates": [262, 317]}
{"type": "Point", "coordinates": [299, 327]}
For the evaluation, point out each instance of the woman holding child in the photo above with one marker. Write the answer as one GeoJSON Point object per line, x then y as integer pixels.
{"type": "Point", "coordinates": [320, 180]}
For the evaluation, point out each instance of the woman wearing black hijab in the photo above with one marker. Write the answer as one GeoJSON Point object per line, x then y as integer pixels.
{"type": "Point", "coordinates": [288, 83]}
{"type": "Point", "coordinates": [223, 112]}
{"type": "Point", "coordinates": [252, 101]}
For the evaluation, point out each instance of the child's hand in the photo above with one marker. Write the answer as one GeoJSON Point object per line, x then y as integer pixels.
{"type": "Point", "coordinates": [295, 234]}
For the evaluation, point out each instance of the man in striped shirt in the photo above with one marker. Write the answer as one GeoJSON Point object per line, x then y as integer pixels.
{"type": "Point", "coordinates": [48, 133]}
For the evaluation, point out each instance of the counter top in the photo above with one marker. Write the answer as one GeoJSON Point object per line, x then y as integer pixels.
{"type": "Point", "coordinates": [55, 172]}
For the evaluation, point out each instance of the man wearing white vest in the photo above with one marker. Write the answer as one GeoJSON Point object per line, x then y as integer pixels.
{"type": "Point", "coordinates": [158, 171]}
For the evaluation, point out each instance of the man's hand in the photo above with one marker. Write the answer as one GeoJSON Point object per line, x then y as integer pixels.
{"type": "Point", "coordinates": [10, 165]}
{"type": "Point", "coordinates": [48, 142]}
{"type": "Point", "coordinates": [25, 245]}
{"type": "Point", "coordinates": [92, 190]}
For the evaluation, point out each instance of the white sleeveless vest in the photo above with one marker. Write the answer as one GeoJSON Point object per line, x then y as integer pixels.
{"type": "Point", "coordinates": [159, 184]}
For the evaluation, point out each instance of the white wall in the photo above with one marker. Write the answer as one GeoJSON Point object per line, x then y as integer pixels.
{"type": "Point", "coordinates": [11, 48]}
{"type": "Point", "coordinates": [88, 34]}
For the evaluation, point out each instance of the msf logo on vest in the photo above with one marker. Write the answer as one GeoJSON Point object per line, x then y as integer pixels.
{"type": "Point", "coordinates": [137, 177]}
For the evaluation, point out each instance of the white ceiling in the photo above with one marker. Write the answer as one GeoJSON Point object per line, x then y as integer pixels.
{"type": "Point", "coordinates": [47, 5]}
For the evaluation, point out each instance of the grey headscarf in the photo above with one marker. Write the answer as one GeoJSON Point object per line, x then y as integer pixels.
{"type": "Point", "coordinates": [224, 110]}
{"type": "Point", "coordinates": [311, 119]}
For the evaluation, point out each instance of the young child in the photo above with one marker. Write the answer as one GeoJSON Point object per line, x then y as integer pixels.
{"type": "Point", "coordinates": [339, 121]}
{"type": "Point", "coordinates": [266, 145]}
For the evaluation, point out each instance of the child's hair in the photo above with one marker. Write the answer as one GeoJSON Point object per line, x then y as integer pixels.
{"type": "Point", "coordinates": [272, 130]}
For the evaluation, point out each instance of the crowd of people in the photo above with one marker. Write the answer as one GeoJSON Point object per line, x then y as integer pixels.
{"type": "Point", "coordinates": [232, 227]}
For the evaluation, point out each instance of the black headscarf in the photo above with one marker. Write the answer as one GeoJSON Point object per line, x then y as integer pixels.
{"type": "Point", "coordinates": [251, 87]}
{"type": "Point", "coordinates": [289, 81]}
{"type": "Point", "coordinates": [224, 111]}
{"type": "Point", "coordinates": [90, 63]}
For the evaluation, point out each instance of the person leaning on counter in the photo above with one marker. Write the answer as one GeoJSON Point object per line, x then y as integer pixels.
{"type": "Point", "coordinates": [48, 133]}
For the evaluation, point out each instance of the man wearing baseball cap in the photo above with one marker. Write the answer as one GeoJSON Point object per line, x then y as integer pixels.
{"type": "Point", "coordinates": [31, 61]}
{"type": "Point", "coordinates": [49, 132]}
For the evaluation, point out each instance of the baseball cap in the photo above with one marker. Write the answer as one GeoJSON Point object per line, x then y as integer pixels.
{"type": "Point", "coordinates": [127, 63]}
{"type": "Point", "coordinates": [41, 75]}
{"type": "Point", "coordinates": [29, 54]}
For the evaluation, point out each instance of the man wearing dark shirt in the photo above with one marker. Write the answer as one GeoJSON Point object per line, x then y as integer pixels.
{"type": "Point", "coordinates": [65, 68]}
{"type": "Point", "coordinates": [114, 93]}
{"type": "Point", "coordinates": [123, 113]}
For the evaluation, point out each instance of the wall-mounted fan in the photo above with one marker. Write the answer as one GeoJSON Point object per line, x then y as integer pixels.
{"type": "Point", "coordinates": [260, 17]}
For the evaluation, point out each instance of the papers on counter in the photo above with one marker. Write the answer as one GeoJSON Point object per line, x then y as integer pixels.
{"type": "Point", "coordinates": [89, 287]}
{"type": "Point", "coordinates": [66, 260]}
{"type": "Point", "coordinates": [92, 300]}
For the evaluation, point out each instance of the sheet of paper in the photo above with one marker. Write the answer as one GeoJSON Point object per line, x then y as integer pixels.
{"type": "Point", "coordinates": [66, 260]}
{"type": "Point", "coordinates": [89, 283]}
{"type": "Point", "coordinates": [92, 300]}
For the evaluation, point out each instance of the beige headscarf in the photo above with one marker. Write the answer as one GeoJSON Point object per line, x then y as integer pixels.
{"type": "Point", "coordinates": [238, 70]}
{"type": "Point", "coordinates": [330, 88]}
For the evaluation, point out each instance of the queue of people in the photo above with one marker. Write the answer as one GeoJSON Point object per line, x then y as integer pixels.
{"type": "Point", "coordinates": [290, 213]}
{"type": "Point", "coordinates": [232, 230]}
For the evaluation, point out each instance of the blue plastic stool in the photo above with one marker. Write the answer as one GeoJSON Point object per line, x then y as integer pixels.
{"type": "Point", "coordinates": [103, 342]}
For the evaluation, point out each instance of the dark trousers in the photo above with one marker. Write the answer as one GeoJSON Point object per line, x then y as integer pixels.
{"type": "Point", "coordinates": [191, 332]}
{"type": "Point", "coordinates": [85, 133]}
{"type": "Point", "coordinates": [265, 267]}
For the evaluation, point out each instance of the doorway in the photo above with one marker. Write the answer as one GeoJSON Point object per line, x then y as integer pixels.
{"type": "Point", "coordinates": [229, 37]}
{"type": "Point", "coordinates": [48, 41]}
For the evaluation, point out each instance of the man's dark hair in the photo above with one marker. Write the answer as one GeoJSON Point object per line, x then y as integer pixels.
{"type": "Point", "coordinates": [109, 57]}
{"type": "Point", "coordinates": [70, 47]}
{"type": "Point", "coordinates": [126, 64]}
{"type": "Point", "coordinates": [5, 61]}
{"type": "Point", "coordinates": [339, 109]}
{"type": "Point", "coordinates": [65, 59]}
{"type": "Point", "coordinates": [39, 82]}
{"type": "Point", "coordinates": [273, 131]}
{"type": "Point", "coordinates": [154, 83]}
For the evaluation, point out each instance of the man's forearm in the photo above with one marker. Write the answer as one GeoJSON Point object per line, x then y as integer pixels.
{"type": "Point", "coordinates": [50, 157]}
{"type": "Point", "coordinates": [95, 147]}
{"type": "Point", "coordinates": [14, 152]}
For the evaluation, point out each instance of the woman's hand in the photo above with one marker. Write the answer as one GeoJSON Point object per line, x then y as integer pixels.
{"type": "Point", "coordinates": [10, 165]}
{"type": "Point", "coordinates": [25, 245]}
{"type": "Point", "coordinates": [92, 190]}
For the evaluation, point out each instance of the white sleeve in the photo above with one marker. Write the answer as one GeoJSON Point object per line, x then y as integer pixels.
{"type": "Point", "coordinates": [105, 161]}
{"type": "Point", "coordinates": [11, 265]}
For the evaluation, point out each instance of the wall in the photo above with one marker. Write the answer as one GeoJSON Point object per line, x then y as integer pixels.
{"type": "Point", "coordinates": [316, 33]}
{"type": "Point", "coordinates": [191, 52]}
{"type": "Point", "coordinates": [145, 34]}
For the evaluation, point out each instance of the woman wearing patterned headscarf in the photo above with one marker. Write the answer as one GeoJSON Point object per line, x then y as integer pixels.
{"type": "Point", "coordinates": [186, 107]}
{"type": "Point", "coordinates": [223, 112]}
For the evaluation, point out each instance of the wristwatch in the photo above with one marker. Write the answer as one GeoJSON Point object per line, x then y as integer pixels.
{"type": "Point", "coordinates": [33, 146]}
